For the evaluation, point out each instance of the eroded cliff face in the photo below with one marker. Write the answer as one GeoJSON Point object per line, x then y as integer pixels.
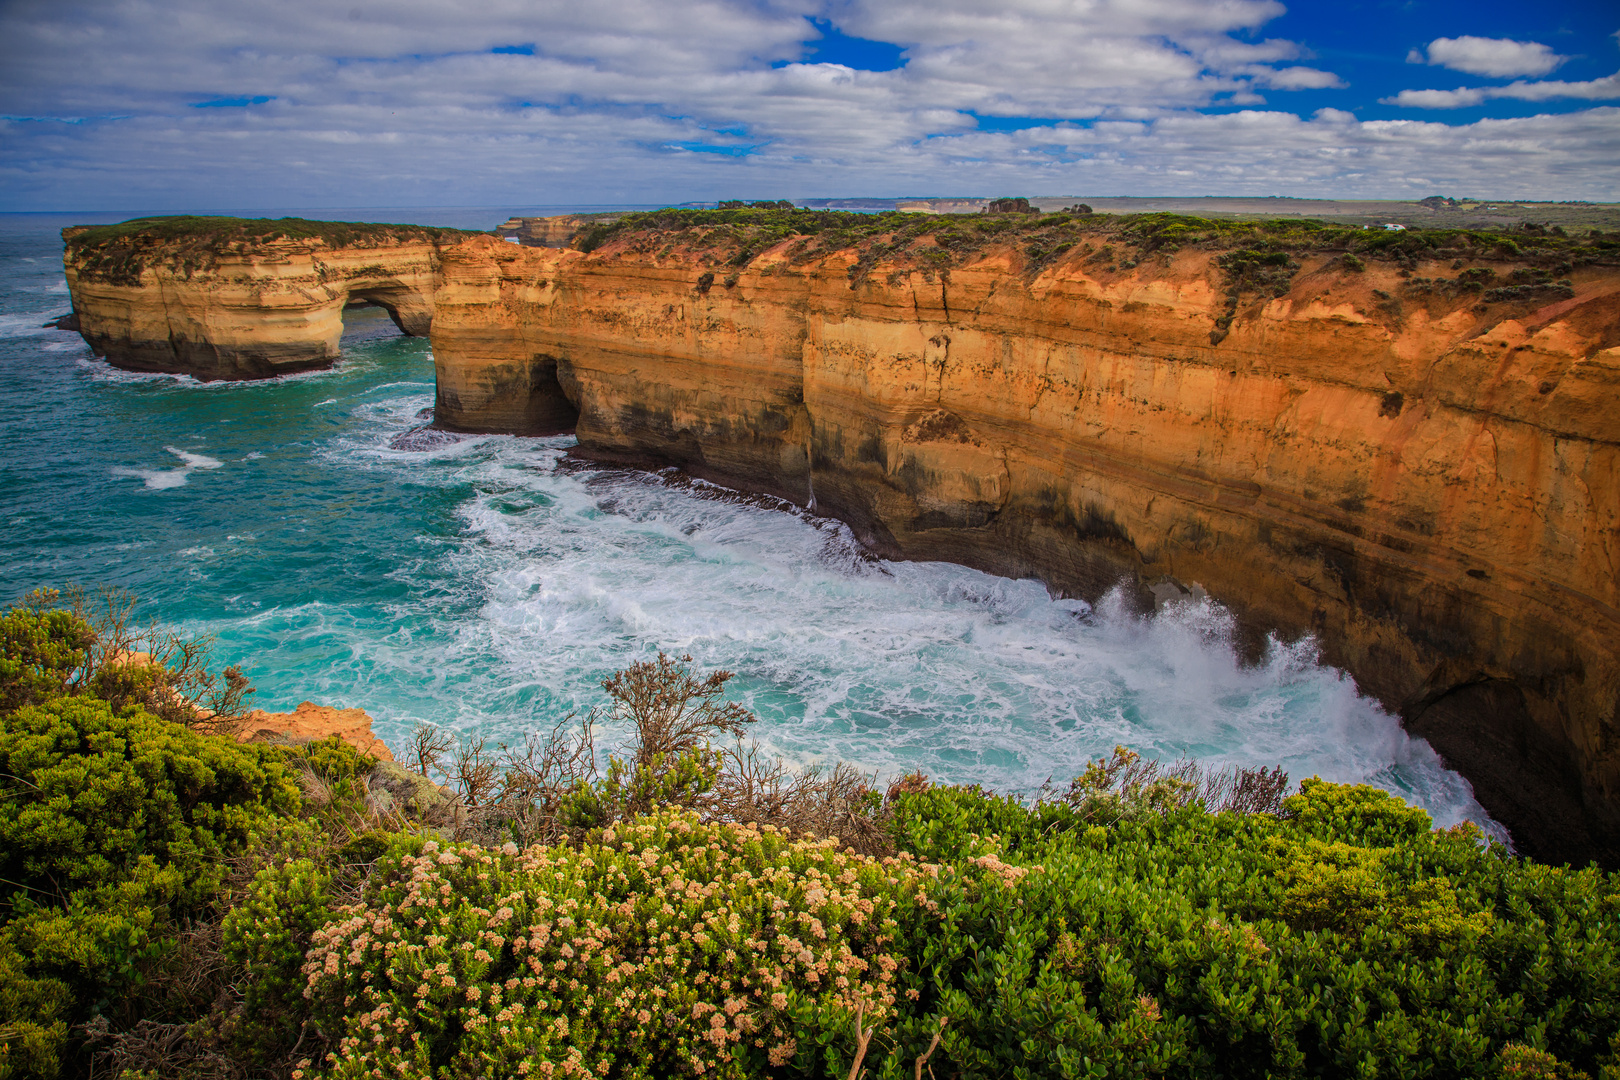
{"type": "Point", "coordinates": [1429, 485]}
{"type": "Point", "coordinates": [553, 232]}
{"type": "Point", "coordinates": [246, 311]}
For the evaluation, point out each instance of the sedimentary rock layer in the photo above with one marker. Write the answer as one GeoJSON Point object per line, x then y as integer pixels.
{"type": "Point", "coordinates": [246, 311]}
{"type": "Point", "coordinates": [554, 232]}
{"type": "Point", "coordinates": [1429, 485]}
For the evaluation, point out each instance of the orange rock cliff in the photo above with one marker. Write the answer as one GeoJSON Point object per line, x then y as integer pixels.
{"type": "Point", "coordinates": [1427, 483]}
{"type": "Point", "coordinates": [222, 306]}
{"type": "Point", "coordinates": [310, 723]}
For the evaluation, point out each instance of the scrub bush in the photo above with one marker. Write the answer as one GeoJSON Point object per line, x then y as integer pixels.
{"type": "Point", "coordinates": [185, 243]}
{"type": "Point", "coordinates": [677, 757]}
{"type": "Point", "coordinates": [1341, 938]}
{"type": "Point", "coordinates": [40, 653]}
{"type": "Point", "coordinates": [117, 828]}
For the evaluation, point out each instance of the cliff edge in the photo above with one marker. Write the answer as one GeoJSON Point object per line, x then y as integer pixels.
{"type": "Point", "coordinates": [1404, 443]}
{"type": "Point", "coordinates": [1407, 445]}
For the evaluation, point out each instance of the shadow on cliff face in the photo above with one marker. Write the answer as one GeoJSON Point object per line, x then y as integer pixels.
{"type": "Point", "coordinates": [1484, 730]}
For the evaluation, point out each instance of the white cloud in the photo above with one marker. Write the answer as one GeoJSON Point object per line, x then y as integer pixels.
{"type": "Point", "coordinates": [1460, 98]}
{"type": "Point", "coordinates": [1497, 58]}
{"type": "Point", "coordinates": [1301, 78]}
{"type": "Point", "coordinates": [403, 102]}
{"type": "Point", "coordinates": [1604, 89]}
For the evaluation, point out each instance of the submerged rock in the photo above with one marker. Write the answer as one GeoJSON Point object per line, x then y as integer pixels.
{"type": "Point", "coordinates": [423, 438]}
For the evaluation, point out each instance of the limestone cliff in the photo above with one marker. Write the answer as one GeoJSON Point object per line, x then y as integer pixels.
{"type": "Point", "coordinates": [551, 231]}
{"type": "Point", "coordinates": [1424, 477]}
{"type": "Point", "coordinates": [1413, 456]}
{"type": "Point", "coordinates": [220, 298]}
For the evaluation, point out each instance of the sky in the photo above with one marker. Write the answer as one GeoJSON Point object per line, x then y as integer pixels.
{"type": "Point", "coordinates": [192, 105]}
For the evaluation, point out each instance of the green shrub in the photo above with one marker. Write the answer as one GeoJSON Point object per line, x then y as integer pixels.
{"type": "Point", "coordinates": [114, 828]}
{"type": "Point", "coordinates": [33, 1017]}
{"type": "Point", "coordinates": [185, 243]}
{"type": "Point", "coordinates": [40, 652]}
{"type": "Point", "coordinates": [91, 794]}
{"type": "Point", "coordinates": [267, 933]}
{"type": "Point", "coordinates": [1343, 939]}
{"type": "Point", "coordinates": [1150, 921]}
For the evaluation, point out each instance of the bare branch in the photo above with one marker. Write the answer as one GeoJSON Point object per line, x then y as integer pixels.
{"type": "Point", "coordinates": [474, 772]}
{"type": "Point", "coordinates": [863, 1036]}
{"type": "Point", "coordinates": [427, 748]}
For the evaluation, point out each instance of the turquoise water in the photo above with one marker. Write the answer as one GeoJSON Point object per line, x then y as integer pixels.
{"type": "Point", "coordinates": [490, 584]}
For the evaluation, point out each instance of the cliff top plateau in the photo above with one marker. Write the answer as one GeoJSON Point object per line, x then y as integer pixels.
{"type": "Point", "coordinates": [940, 240]}
{"type": "Point", "coordinates": [1435, 211]}
{"type": "Point", "coordinates": [118, 253]}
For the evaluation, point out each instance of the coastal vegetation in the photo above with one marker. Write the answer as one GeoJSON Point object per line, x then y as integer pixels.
{"type": "Point", "coordinates": [182, 904]}
{"type": "Point", "coordinates": [735, 235]}
{"type": "Point", "coordinates": [187, 242]}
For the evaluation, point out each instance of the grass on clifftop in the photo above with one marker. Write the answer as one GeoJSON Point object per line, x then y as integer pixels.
{"type": "Point", "coordinates": [934, 243]}
{"type": "Point", "coordinates": [176, 904]}
{"type": "Point", "coordinates": [118, 253]}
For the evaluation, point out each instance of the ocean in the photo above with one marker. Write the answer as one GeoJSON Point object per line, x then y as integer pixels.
{"type": "Point", "coordinates": [489, 585]}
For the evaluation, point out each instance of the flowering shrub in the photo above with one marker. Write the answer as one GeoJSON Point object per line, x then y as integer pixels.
{"type": "Point", "coordinates": [666, 947]}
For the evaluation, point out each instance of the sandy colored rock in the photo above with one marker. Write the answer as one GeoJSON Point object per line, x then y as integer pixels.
{"type": "Point", "coordinates": [1428, 485]}
{"type": "Point", "coordinates": [311, 723]}
{"type": "Point", "coordinates": [553, 232]}
{"type": "Point", "coordinates": [272, 309]}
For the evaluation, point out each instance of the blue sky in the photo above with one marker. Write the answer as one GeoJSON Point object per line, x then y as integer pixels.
{"type": "Point", "coordinates": [204, 104]}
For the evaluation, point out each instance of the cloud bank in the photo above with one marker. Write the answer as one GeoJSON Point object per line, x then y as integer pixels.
{"type": "Point", "coordinates": [170, 104]}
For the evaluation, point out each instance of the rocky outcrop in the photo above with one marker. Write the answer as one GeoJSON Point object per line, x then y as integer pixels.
{"type": "Point", "coordinates": [552, 232]}
{"type": "Point", "coordinates": [311, 723]}
{"type": "Point", "coordinates": [208, 303]}
{"type": "Point", "coordinates": [390, 789]}
{"type": "Point", "coordinates": [1428, 484]}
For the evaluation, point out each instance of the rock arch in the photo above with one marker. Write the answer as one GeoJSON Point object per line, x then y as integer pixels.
{"type": "Point", "coordinates": [409, 307]}
{"type": "Point", "coordinates": [254, 313]}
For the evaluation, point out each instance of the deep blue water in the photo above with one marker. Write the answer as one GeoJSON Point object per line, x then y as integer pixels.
{"type": "Point", "coordinates": [484, 587]}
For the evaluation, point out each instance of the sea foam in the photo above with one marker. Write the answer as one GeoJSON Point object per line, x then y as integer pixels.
{"type": "Point", "coordinates": [571, 573]}
{"type": "Point", "coordinates": [162, 479]}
